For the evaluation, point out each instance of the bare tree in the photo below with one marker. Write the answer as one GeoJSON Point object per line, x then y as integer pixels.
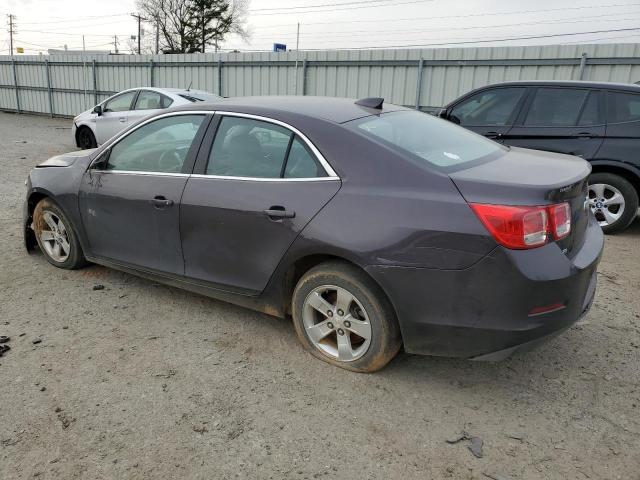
{"type": "Point", "coordinates": [188, 26]}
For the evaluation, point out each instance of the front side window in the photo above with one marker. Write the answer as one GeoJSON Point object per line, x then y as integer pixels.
{"type": "Point", "coordinates": [148, 100]}
{"type": "Point", "coordinates": [121, 103]}
{"type": "Point", "coordinates": [426, 139]}
{"type": "Point", "coordinates": [245, 147]}
{"type": "Point", "coordinates": [159, 146]}
{"type": "Point", "coordinates": [489, 108]}
{"type": "Point", "coordinates": [556, 107]}
{"type": "Point", "coordinates": [623, 107]}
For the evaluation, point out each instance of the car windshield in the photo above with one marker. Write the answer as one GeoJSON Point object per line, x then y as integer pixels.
{"type": "Point", "coordinates": [427, 139]}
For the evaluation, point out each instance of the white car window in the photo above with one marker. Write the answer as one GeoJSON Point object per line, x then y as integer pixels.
{"type": "Point", "coordinates": [121, 103]}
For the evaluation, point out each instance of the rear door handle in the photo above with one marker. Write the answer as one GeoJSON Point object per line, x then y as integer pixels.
{"type": "Point", "coordinates": [584, 135]}
{"type": "Point", "coordinates": [278, 212]}
{"type": "Point", "coordinates": [161, 202]}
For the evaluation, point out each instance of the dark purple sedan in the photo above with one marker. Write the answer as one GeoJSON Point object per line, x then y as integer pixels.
{"type": "Point", "coordinates": [373, 226]}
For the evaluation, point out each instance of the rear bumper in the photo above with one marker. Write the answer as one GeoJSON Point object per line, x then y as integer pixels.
{"type": "Point", "coordinates": [482, 312]}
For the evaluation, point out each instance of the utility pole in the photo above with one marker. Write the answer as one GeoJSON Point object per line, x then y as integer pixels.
{"type": "Point", "coordinates": [295, 72]}
{"type": "Point", "coordinates": [115, 44]}
{"type": "Point", "coordinates": [139, 18]}
{"type": "Point", "coordinates": [83, 49]}
{"type": "Point", "coordinates": [11, 31]}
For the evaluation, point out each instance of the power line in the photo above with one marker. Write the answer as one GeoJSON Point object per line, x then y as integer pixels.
{"type": "Point", "coordinates": [443, 17]}
{"type": "Point", "coordinates": [294, 12]}
{"type": "Point", "coordinates": [532, 37]}
{"type": "Point", "coordinates": [366, 2]}
{"type": "Point", "coordinates": [76, 19]}
{"type": "Point", "coordinates": [359, 33]}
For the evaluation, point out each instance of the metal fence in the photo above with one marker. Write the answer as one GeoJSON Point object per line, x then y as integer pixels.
{"type": "Point", "coordinates": [64, 85]}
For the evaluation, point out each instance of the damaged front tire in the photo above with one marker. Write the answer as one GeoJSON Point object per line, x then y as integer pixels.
{"type": "Point", "coordinates": [56, 237]}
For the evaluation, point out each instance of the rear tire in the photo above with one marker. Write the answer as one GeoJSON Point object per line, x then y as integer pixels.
{"type": "Point", "coordinates": [613, 200]}
{"type": "Point", "coordinates": [343, 317]}
{"type": "Point", "coordinates": [56, 238]}
{"type": "Point", "coordinates": [85, 138]}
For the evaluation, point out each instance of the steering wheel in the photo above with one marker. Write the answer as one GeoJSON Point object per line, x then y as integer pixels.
{"type": "Point", "coordinates": [169, 161]}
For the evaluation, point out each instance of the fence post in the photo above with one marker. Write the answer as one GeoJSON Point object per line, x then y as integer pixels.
{"type": "Point", "coordinates": [50, 92]}
{"type": "Point", "coordinates": [583, 64]}
{"type": "Point", "coordinates": [220, 76]}
{"type": "Point", "coordinates": [304, 76]}
{"type": "Point", "coordinates": [15, 84]}
{"type": "Point", "coordinates": [419, 82]}
{"type": "Point", "coordinates": [95, 82]}
{"type": "Point", "coordinates": [151, 79]}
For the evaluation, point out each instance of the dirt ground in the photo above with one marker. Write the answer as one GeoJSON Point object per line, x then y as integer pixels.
{"type": "Point", "coordinates": [145, 381]}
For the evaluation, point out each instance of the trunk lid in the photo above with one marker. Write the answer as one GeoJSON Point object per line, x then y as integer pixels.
{"type": "Point", "coordinates": [531, 177]}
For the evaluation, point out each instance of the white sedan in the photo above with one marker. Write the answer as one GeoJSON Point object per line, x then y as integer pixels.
{"type": "Point", "coordinates": [98, 124]}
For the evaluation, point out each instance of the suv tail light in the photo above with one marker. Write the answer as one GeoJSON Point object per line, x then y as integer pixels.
{"type": "Point", "coordinates": [524, 227]}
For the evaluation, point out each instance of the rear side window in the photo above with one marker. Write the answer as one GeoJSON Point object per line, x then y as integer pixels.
{"type": "Point", "coordinates": [249, 148]}
{"type": "Point", "coordinates": [491, 107]}
{"type": "Point", "coordinates": [148, 100]}
{"type": "Point", "coordinates": [556, 107]}
{"type": "Point", "coordinates": [623, 107]}
{"type": "Point", "coordinates": [426, 139]}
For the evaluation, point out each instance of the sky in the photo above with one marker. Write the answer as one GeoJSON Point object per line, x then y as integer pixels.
{"type": "Point", "coordinates": [341, 24]}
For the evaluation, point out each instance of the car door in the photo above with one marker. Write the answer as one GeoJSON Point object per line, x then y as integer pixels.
{"type": "Point", "coordinates": [115, 116]}
{"type": "Point", "coordinates": [562, 120]}
{"type": "Point", "coordinates": [148, 103]}
{"type": "Point", "coordinates": [622, 142]}
{"type": "Point", "coordinates": [490, 112]}
{"type": "Point", "coordinates": [259, 182]}
{"type": "Point", "coordinates": [129, 198]}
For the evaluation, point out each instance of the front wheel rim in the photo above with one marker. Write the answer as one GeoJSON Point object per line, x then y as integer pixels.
{"type": "Point", "coordinates": [54, 237]}
{"type": "Point", "coordinates": [606, 202]}
{"type": "Point", "coordinates": [336, 323]}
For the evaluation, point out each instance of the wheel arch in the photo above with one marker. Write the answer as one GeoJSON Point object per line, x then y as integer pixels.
{"type": "Point", "coordinates": [617, 168]}
{"type": "Point", "coordinates": [33, 199]}
{"type": "Point", "coordinates": [302, 265]}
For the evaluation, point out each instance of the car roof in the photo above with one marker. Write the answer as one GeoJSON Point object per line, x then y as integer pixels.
{"type": "Point", "coordinates": [338, 110]}
{"type": "Point", "coordinates": [568, 83]}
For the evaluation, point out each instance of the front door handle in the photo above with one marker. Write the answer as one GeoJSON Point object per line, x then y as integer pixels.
{"type": "Point", "coordinates": [493, 135]}
{"type": "Point", "coordinates": [122, 119]}
{"type": "Point", "coordinates": [584, 135]}
{"type": "Point", "coordinates": [277, 212]}
{"type": "Point", "coordinates": [161, 202]}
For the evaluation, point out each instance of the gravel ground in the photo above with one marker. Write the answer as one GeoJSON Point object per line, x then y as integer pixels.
{"type": "Point", "coordinates": [141, 380]}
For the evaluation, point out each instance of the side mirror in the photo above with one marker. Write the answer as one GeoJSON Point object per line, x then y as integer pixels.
{"type": "Point", "coordinates": [442, 113]}
{"type": "Point", "coordinates": [97, 109]}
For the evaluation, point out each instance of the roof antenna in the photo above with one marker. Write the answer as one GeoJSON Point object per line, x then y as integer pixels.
{"type": "Point", "coordinates": [189, 87]}
{"type": "Point", "coordinates": [373, 102]}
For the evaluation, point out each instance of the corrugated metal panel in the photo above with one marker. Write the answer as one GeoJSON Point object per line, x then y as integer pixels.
{"type": "Point", "coordinates": [392, 74]}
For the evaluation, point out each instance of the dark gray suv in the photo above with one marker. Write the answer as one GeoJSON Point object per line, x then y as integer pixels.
{"type": "Point", "coordinates": [599, 122]}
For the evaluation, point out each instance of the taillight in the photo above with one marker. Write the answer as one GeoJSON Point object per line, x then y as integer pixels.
{"type": "Point", "coordinates": [519, 227]}
{"type": "Point", "coordinates": [560, 216]}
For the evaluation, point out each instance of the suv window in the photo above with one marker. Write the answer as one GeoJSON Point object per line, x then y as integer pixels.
{"type": "Point", "coordinates": [556, 107]}
{"type": "Point", "coordinates": [148, 100]}
{"type": "Point", "coordinates": [245, 147]}
{"type": "Point", "coordinates": [591, 112]}
{"type": "Point", "coordinates": [121, 103]}
{"type": "Point", "coordinates": [491, 107]}
{"type": "Point", "coordinates": [159, 146]}
{"type": "Point", "coordinates": [623, 107]}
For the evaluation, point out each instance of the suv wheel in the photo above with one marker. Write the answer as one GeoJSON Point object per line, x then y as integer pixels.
{"type": "Point", "coordinates": [613, 201]}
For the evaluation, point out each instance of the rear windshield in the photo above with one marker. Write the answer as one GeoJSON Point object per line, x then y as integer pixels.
{"type": "Point", "coordinates": [427, 139]}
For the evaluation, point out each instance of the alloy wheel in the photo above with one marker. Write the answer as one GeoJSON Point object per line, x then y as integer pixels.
{"type": "Point", "coordinates": [54, 237]}
{"type": "Point", "coordinates": [606, 202]}
{"type": "Point", "coordinates": [336, 323]}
